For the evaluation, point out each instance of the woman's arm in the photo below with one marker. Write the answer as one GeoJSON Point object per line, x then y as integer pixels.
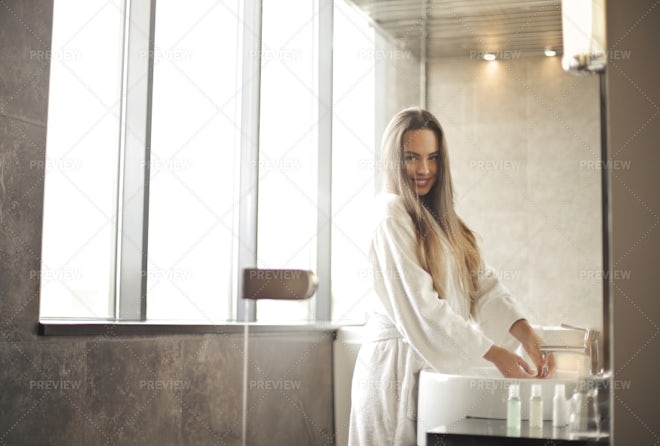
{"type": "Point", "coordinates": [495, 309]}
{"type": "Point", "coordinates": [498, 316]}
{"type": "Point", "coordinates": [405, 289]}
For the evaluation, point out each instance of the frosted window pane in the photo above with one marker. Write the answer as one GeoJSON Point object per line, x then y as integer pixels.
{"type": "Point", "coordinates": [194, 155]}
{"type": "Point", "coordinates": [353, 162]}
{"type": "Point", "coordinates": [286, 230]}
{"type": "Point", "coordinates": [81, 160]}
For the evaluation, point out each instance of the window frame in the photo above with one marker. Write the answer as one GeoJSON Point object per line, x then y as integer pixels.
{"type": "Point", "coordinates": [131, 236]}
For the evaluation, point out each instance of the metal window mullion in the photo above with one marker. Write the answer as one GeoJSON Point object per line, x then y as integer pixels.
{"type": "Point", "coordinates": [249, 174]}
{"type": "Point", "coordinates": [381, 111]}
{"type": "Point", "coordinates": [325, 110]}
{"type": "Point", "coordinates": [423, 57]}
{"type": "Point", "coordinates": [133, 198]}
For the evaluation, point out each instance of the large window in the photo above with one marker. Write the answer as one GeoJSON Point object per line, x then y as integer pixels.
{"type": "Point", "coordinates": [354, 150]}
{"type": "Point", "coordinates": [197, 89]}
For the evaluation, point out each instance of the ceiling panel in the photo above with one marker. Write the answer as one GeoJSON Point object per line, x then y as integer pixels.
{"type": "Point", "coordinates": [451, 28]}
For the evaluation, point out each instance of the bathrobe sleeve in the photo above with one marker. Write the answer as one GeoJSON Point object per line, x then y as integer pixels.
{"type": "Point", "coordinates": [495, 310]}
{"type": "Point", "coordinates": [429, 325]}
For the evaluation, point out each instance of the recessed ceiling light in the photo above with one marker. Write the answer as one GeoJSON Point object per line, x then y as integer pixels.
{"type": "Point", "coordinates": [489, 56]}
{"type": "Point", "coordinates": [549, 52]}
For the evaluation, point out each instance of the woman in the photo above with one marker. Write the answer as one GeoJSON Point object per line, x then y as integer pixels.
{"type": "Point", "coordinates": [438, 304]}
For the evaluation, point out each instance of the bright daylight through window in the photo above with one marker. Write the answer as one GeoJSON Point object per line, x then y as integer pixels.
{"type": "Point", "coordinates": [194, 154]}
{"type": "Point", "coordinates": [193, 189]}
{"type": "Point", "coordinates": [288, 138]}
{"type": "Point", "coordinates": [82, 161]}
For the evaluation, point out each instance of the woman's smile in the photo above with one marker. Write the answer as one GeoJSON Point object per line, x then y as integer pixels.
{"type": "Point", "coordinates": [421, 183]}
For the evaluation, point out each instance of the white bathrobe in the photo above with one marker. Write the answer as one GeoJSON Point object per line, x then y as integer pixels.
{"type": "Point", "coordinates": [410, 329]}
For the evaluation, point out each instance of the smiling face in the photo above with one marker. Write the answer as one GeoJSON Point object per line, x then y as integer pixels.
{"type": "Point", "coordinates": [421, 155]}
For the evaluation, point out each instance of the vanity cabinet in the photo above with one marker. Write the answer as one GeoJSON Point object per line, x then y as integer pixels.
{"type": "Point", "coordinates": [487, 432]}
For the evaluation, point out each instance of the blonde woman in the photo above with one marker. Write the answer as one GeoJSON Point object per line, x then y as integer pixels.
{"type": "Point", "coordinates": [438, 304]}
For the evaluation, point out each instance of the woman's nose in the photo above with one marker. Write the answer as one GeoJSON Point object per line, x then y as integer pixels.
{"type": "Point", "coordinates": [422, 167]}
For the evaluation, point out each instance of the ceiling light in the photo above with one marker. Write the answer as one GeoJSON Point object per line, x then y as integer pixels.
{"type": "Point", "coordinates": [489, 56]}
{"type": "Point", "coordinates": [549, 52]}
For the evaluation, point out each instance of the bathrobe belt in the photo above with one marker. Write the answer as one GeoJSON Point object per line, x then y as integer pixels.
{"type": "Point", "coordinates": [379, 328]}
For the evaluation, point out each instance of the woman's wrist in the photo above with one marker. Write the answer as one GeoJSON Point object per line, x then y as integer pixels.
{"type": "Point", "coordinates": [490, 354]}
{"type": "Point", "coordinates": [523, 332]}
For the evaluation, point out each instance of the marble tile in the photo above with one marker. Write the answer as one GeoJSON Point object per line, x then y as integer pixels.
{"type": "Point", "coordinates": [451, 94]}
{"type": "Point", "coordinates": [212, 406]}
{"type": "Point", "coordinates": [168, 390]}
{"type": "Point", "coordinates": [401, 79]}
{"type": "Point", "coordinates": [22, 172]}
{"type": "Point", "coordinates": [134, 391]}
{"type": "Point", "coordinates": [43, 389]}
{"type": "Point", "coordinates": [505, 246]}
{"type": "Point", "coordinates": [559, 292]}
{"type": "Point", "coordinates": [490, 189]}
{"type": "Point", "coordinates": [25, 30]}
{"type": "Point", "coordinates": [568, 197]}
{"type": "Point", "coordinates": [506, 141]}
{"type": "Point", "coordinates": [290, 390]}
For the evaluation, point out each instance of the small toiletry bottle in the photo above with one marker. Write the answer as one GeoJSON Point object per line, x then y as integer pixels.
{"type": "Point", "coordinates": [559, 408]}
{"type": "Point", "coordinates": [536, 408]}
{"type": "Point", "coordinates": [513, 407]}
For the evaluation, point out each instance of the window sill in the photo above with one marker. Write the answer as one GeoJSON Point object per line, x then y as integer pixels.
{"type": "Point", "coordinates": [64, 327]}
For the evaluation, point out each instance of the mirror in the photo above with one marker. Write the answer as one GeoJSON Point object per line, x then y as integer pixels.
{"type": "Point", "coordinates": [523, 139]}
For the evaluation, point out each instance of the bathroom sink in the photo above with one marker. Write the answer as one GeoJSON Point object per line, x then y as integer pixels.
{"type": "Point", "coordinates": [481, 392]}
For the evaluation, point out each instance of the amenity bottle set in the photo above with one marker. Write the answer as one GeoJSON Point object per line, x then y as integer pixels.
{"type": "Point", "coordinates": [513, 415]}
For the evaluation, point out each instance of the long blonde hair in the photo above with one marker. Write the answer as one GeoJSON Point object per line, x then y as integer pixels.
{"type": "Point", "coordinates": [433, 211]}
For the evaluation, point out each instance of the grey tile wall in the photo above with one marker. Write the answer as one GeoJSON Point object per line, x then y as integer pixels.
{"type": "Point", "coordinates": [133, 392]}
{"type": "Point", "coordinates": [213, 399]}
{"type": "Point", "coordinates": [42, 397]}
{"type": "Point", "coordinates": [281, 388]}
{"type": "Point", "coordinates": [25, 36]}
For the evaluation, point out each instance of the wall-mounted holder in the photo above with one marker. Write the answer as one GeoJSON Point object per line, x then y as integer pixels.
{"type": "Point", "coordinates": [278, 284]}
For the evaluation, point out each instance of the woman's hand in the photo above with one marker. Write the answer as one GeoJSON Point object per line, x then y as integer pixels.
{"type": "Point", "coordinates": [531, 342]}
{"type": "Point", "coordinates": [545, 362]}
{"type": "Point", "coordinates": [508, 363]}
